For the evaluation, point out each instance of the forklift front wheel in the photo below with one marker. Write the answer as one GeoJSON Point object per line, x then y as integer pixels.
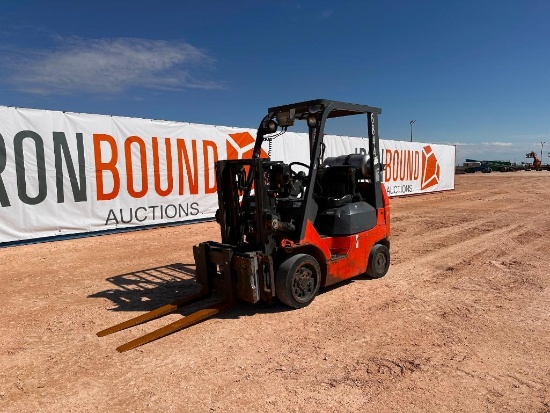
{"type": "Point", "coordinates": [298, 280]}
{"type": "Point", "coordinates": [379, 261]}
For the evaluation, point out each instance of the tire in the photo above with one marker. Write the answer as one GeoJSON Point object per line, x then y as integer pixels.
{"type": "Point", "coordinates": [298, 280]}
{"type": "Point", "coordinates": [379, 261]}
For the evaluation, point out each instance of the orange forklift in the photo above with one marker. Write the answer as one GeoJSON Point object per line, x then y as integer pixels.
{"type": "Point", "coordinates": [288, 230]}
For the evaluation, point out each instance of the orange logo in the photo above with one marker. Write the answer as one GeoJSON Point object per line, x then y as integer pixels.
{"type": "Point", "coordinates": [430, 168]}
{"type": "Point", "coordinates": [241, 145]}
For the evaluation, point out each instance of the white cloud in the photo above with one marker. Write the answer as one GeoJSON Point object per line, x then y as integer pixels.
{"type": "Point", "coordinates": [107, 66]}
{"type": "Point", "coordinates": [497, 143]}
{"type": "Point", "coordinates": [488, 151]}
{"type": "Point", "coordinates": [459, 143]}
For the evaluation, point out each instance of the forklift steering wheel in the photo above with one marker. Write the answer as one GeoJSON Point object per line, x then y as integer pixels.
{"type": "Point", "coordinates": [297, 163]}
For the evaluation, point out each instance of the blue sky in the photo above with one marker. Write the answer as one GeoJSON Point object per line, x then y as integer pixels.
{"type": "Point", "coordinates": [472, 73]}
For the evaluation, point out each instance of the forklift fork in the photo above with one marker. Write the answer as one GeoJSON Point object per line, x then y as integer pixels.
{"type": "Point", "coordinates": [209, 278]}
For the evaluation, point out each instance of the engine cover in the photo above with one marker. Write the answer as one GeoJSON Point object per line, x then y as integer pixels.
{"type": "Point", "coordinates": [348, 219]}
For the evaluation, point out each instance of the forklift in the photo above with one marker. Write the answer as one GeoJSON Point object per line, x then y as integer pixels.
{"type": "Point", "coordinates": [288, 230]}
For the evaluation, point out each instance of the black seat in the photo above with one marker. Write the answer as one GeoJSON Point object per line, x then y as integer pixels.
{"type": "Point", "coordinates": [335, 186]}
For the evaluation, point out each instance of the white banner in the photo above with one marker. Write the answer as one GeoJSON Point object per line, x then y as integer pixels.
{"type": "Point", "coordinates": [65, 173]}
{"type": "Point", "coordinates": [409, 167]}
{"type": "Point", "coordinates": [414, 167]}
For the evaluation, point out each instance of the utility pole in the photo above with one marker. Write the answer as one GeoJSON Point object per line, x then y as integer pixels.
{"type": "Point", "coordinates": [541, 148]}
{"type": "Point", "coordinates": [411, 123]}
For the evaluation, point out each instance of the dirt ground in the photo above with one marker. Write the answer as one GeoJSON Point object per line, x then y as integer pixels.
{"type": "Point", "coordinates": [461, 323]}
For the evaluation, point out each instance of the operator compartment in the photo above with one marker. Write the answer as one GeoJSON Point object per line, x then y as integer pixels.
{"type": "Point", "coordinates": [342, 196]}
{"type": "Point", "coordinates": [287, 188]}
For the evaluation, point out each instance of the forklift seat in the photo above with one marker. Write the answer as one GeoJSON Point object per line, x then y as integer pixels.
{"type": "Point", "coordinates": [335, 187]}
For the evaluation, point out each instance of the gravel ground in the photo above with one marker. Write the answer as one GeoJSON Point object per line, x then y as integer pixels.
{"type": "Point", "coordinates": [460, 324]}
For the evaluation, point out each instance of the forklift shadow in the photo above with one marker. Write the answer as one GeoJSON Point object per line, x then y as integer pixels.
{"type": "Point", "coordinates": [151, 288]}
{"type": "Point", "coordinates": [173, 289]}
{"type": "Point", "coordinates": [245, 309]}
{"type": "Point", "coordinates": [148, 289]}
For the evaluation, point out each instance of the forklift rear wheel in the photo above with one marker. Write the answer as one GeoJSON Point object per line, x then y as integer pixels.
{"type": "Point", "coordinates": [379, 261]}
{"type": "Point", "coordinates": [298, 280]}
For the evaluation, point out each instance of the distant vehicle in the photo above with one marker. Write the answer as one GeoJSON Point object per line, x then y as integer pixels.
{"type": "Point", "coordinates": [501, 166]}
{"type": "Point", "coordinates": [472, 166]}
{"type": "Point", "coordinates": [537, 163]}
